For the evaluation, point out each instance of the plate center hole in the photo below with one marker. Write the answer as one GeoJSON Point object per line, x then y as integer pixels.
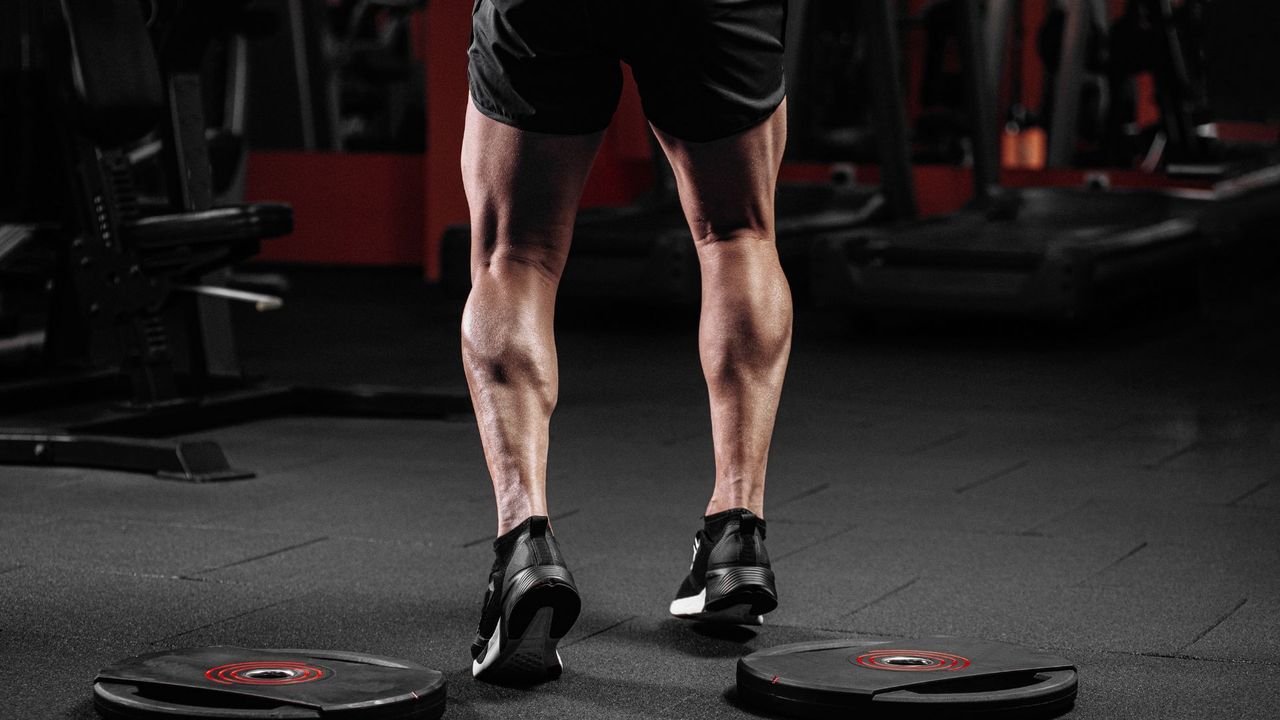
{"type": "Point", "coordinates": [906, 660]}
{"type": "Point", "coordinates": [271, 674]}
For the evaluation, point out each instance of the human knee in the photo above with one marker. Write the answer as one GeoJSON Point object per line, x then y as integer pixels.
{"type": "Point", "coordinates": [547, 260]}
{"type": "Point", "coordinates": [729, 238]}
{"type": "Point", "coordinates": [498, 253]}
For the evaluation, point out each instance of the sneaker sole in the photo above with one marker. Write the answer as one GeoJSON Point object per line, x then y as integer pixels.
{"type": "Point", "coordinates": [522, 648]}
{"type": "Point", "coordinates": [739, 596]}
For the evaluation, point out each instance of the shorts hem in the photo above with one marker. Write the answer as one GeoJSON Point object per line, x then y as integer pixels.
{"type": "Point", "coordinates": [542, 128]}
{"type": "Point", "coordinates": [736, 130]}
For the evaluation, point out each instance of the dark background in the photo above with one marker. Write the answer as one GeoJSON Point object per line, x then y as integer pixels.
{"type": "Point", "coordinates": [1106, 489]}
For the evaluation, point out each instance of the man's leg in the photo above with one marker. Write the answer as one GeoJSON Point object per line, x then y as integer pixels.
{"type": "Point", "coordinates": [744, 337]}
{"type": "Point", "coordinates": [523, 190]}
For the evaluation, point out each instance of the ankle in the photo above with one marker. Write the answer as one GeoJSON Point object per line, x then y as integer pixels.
{"type": "Point", "coordinates": [719, 505]}
{"type": "Point", "coordinates": [510, 519]}
{"type": "Point", "coordinates": [516, 500]}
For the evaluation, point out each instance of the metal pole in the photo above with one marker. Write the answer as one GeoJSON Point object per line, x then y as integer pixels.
{"type": "Point", "coordinates": [981, 100]}
{"type": "Point", "coordinates": [888, 105]}
{"type": "Point", "coordinates": [1066, 86]}
{"type": "Point", "coordinates": [999, 13]}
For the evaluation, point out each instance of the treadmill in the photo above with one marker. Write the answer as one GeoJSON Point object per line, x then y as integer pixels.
{"type": "Point", "coordinates": [1046, 252]}
{"type": "Point", "coordinates": [643, 251]}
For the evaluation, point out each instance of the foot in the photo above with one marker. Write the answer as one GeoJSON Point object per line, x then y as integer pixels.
{"type": "Point", "coordinates": [530, 605]}
{"type": "Point", "coordinates": [730, 579]}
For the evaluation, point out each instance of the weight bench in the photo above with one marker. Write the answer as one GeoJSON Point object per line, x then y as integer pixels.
{"type": "Point", "coordinates": [138, 345]}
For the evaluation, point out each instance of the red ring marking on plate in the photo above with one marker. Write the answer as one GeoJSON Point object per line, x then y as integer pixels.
{"type": "Point", "coordinates": [235, 673]}
{"type": "Point", "coordinates": [942, 661]}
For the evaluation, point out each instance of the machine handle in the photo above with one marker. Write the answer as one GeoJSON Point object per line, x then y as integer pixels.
{"type": "Point", "coordinates": [260, 301]}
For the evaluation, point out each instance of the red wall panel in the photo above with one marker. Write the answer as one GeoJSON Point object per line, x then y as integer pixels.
{"type": "Point", "coordinates": [349, 209]}
{"type": "Point", "coordinates": [371, 209]}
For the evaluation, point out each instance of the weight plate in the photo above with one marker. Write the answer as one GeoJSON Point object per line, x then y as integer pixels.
{"type": "Point", "coordinates": [234, 682]}
{"type": "Point", "coordinates": [934, 677]}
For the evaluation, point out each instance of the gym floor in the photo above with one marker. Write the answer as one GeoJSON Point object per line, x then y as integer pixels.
{"type": "Point", "coordinates": [1110, 496]}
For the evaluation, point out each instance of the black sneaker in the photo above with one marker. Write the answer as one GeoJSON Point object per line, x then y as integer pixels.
{"type": "Point", "coordinates": [530, 605]}
{"type": "Point", "coordinates": [730, 580]}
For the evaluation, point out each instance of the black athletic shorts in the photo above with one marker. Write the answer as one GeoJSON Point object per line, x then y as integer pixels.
{"type": "Point", "coordinates": [706, 69]}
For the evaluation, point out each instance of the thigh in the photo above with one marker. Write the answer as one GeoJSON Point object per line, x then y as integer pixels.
{"type": "Point", "coordinates": [707, 69]}
{"type": "Point", "coordinates": [523, 190]}
{"type": "Point", "coordinates": [540, 65]}
{"type": "Point", "coordinates": [727, 186]}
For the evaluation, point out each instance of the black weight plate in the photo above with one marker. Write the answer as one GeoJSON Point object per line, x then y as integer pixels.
{"type": "Point", "coordinates": [924, 677]}
{"type": "Point", "coordinates": [234, 682]}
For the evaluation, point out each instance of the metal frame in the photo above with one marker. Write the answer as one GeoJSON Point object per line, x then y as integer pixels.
{"type": "Point", "coordinates": [1052, 252]}
{"type": "Point", "coordinates": [131, 439]}
{"type": "Point", "coordinates": [115, 418]}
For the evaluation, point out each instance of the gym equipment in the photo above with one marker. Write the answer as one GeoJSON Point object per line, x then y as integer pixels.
{"type": "Point", "coordinates": [1205, 62]}
{"type": "Point", "coordinates": [1073, 48]}
{"type": "Point", "coordinates": [1063, 253]}
{"type": "Point", "coordinates": [137, 341]}
{"type": "Point", "coordinates": [928, 677]}
{"type": "Point", "coordinates": [381, 83]}
{"type": "Point", "coordinates": [643, 252]}
{"type": "Point", "coordinates": [339, 76]}
{"type": "Point", "coordinates": [234, 682]}
{"type": "Point", "coordinates": [940, 129]}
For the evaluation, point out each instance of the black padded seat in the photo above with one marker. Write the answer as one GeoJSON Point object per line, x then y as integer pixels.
{"type": "Point", "coordinates": [114, 69]}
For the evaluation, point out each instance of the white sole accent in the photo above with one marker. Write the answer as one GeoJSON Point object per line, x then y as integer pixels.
{"type": "Point", "coordinates": [694, 608]}
{"type": "Point", "coordinates": [528, 656]}
{"type": "Point", "coordinates": [491, 652]}
{"type": "Point", "coordinates": [689, 606]}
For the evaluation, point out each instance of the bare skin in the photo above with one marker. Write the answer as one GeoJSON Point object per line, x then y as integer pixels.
{"type": "Point", "coordinates": [523, 190]}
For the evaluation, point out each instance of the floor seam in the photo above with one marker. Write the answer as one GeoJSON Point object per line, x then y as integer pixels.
{"type": "Point", "coordinates": [993, 476]}
{"type": "Point", "coordinates": [64, 567]}
{"type": "Point", "coordinates": [1141, 546]}
{"type": "Point", "coordinates": [1189, 447]}
{"type": "Point", "coordinates": [601, 631]}
{"type": "Point", "coordinates": [1251, 491]}
{"type": "Point", "coordinates": [227, 619]}
{"type": "Point", "coordinates": [255, 558]}
{"type": "Point", "coordinates": [885, 596]}
{"type": "Point", "coordinates": [1033, 530]}
{"type": "Point", "coordinates": [205, 524]}
{"type": "Point", "coordinates": [939, 442]}
{"type": "Point", "coordinates": [1214, 626]}
{"type": "Point", "coordinates": [819, 541]}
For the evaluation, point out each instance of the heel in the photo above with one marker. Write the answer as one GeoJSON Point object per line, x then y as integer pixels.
{"type": "Point", "coordinates": [745, 586]}
{"type": "Point", "coordinates": [543, 587]}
